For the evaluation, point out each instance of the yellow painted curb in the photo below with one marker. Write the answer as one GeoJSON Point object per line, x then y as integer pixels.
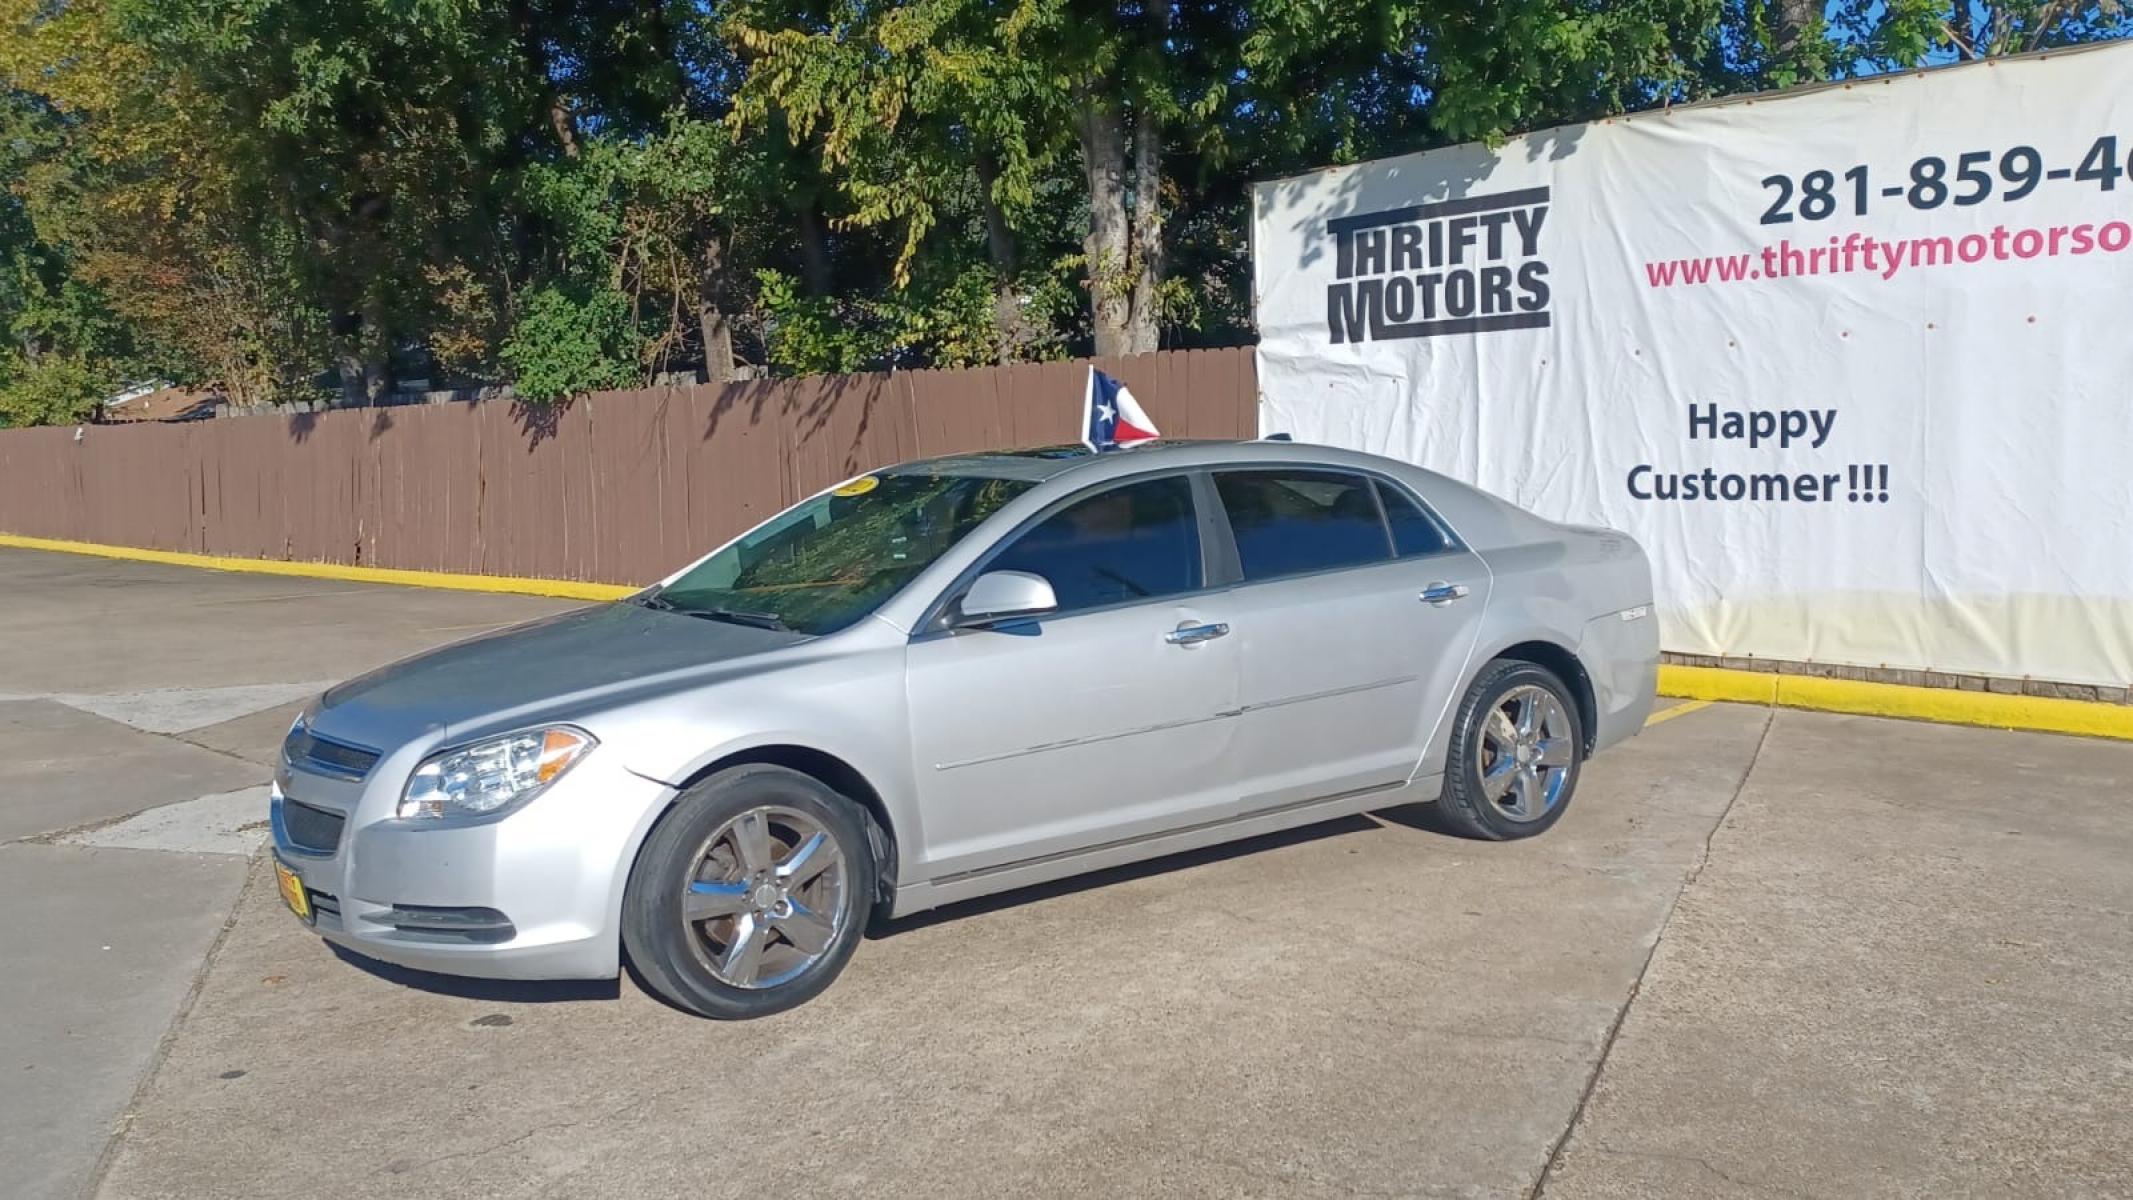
{"type": "Point", "coordinates": [565, 588]}
{"type": "Point", "coordinates": [2039, 713]}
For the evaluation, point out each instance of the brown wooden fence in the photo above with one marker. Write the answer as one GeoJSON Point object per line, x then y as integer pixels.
{"type": "Point", "coordinates": [618, 487]}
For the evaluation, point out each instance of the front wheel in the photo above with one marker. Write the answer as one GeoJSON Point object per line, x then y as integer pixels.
{"type": "Point", "coordinates": [1517, 745]}
{"type": "Point", "coordinates": [749, 898]}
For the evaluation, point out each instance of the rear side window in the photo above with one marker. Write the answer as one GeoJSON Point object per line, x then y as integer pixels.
{"type": "Point", "coordinates": [1288, 522]}
{"type": "Point", "coordinates": [1413, 533]}
{"type": "Point", "coordinates": [1135, 542]}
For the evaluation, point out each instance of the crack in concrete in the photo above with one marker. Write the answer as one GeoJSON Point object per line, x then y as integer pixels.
{"type": "Point", "coordinates": [57, 836]}
{"type": "Point", "coordinates": [104, 1160]}
{"type": "Point", "coordinates": [229, 754]}
{"type": "Point", "coordinates": [404, 1167]}
{"type": "Point", "coordinates": [1289, 1179]}
{"type": "Point", "coordinates": [1761, 1189]}
{"type": "Point", "coordinates": [180, 710]}
{"type": "Point", "coordinates": [1636, 987]}
{"type": "Point", "coordinates": [229, 823]}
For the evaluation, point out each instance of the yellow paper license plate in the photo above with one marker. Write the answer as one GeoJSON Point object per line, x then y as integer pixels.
{"type": "Point", "coordinates": [292, 892]}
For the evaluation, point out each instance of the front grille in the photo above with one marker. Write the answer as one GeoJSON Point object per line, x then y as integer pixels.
{"type": "Point", "coordinates": [312, 829]}
{"type": "Point", "coordinates": [322, 755]}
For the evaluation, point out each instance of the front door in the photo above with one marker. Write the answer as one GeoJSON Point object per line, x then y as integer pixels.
{"type": "Point", "coordinates": [1094, 724]}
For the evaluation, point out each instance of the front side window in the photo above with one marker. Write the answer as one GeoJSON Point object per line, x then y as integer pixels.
{"type": "Point", "coordinates": [1288, 522]}
{"type": "Point", "coordinates": [1136, 542]}
{"type": "Point", "coordinates": [829, 561]}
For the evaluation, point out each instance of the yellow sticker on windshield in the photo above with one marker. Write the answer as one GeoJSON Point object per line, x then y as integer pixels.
{"type": "Point", "coordinates": [858, 487]}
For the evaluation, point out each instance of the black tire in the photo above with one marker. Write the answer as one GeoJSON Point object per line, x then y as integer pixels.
{"type": "Point", "coordinates": [674, 956]}
{"type": "Point", "coordinates": [1466, 803]}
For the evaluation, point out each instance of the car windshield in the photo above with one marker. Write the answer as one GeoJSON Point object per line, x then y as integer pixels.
{"type": "Point", "coordinates": [826, 563]}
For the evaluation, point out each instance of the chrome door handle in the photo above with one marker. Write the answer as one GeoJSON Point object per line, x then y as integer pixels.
{"type": "Point", "coordinates": [1193, 635]}
{"type": "Point", "coordinates": [1441, 594]}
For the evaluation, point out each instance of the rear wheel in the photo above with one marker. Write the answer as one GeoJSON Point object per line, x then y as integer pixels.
{"type": "Point", "coordinates": [1517, 746]}
{"type": "Point", "coordinates": [750, 896]}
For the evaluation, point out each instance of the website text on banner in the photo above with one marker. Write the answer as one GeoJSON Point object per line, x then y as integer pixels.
{"type": "Point", "coordinates": [1851, 362]}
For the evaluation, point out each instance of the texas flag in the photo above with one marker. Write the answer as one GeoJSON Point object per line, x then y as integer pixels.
{"type": "Point", "coordinates": [1111, 417]}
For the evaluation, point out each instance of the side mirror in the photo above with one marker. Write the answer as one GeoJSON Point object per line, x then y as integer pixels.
{"type": "Point", "coordinates": [1003, 595]}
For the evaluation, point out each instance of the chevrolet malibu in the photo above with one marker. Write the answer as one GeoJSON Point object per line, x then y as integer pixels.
{"type": "Point", "coordinates": [952, 678]}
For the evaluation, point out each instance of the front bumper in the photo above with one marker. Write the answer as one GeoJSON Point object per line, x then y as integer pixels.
{"type": "Point", "coordinates": [536, 894]}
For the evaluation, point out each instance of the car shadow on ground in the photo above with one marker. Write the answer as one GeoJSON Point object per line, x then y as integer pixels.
{"type": "Point", "coordinates": [553, 991]}
{"type": "Point", "coordinates": [1426, 817]}
{"type": "Point", "coordinates": [504, 991]}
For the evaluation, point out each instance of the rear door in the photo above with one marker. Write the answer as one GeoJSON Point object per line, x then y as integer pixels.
{"type": "Point", "coordinates": [1355, 616]}
{"type": "Point", "coordinates": [1100, 722]}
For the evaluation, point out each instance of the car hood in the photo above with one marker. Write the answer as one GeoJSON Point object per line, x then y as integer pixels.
{"type": "Point", "coordinates": [580, 657]}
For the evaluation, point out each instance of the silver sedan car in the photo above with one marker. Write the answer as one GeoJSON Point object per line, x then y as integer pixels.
{"type": "Point", "coordinates": [952, 678]}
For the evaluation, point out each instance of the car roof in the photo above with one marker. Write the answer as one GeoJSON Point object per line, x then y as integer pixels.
{"type": "Point", "coordinates": [1480, 520]}
{"type": "Point", "coordinates": [1048, 462]}
{"type": "Point", "coordinates": [1034, 465]}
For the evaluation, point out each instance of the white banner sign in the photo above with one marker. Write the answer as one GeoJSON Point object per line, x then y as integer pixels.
{"type": "Point", "coordinates": [1852, 364]}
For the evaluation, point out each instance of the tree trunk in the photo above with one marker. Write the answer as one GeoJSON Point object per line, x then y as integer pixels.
{"type": "Point", "coordinates": [564, 123]}
{"type": "Point", "coordinates": [1144, 331]}
{"type": "Point", "coordinates": [1011, 332]}
{"type": "Point", "coordinates": [365, 361]}
{"type": "Point", "coordinates": [348, 358]}
{"type": "Point", "coordinates": [814, 249]}
{"type": "Point", "coordinates": [350, 365]}
{"type": "Point", "coordinates": [1797, 21]}
{"type": "Point", "coordinates": [712, 320]}
{"type": "Point", "coordinates": [364, 380]}
{"type": "Point", "coordinates": [1963, 31]}
{"type": "Point", "coordinates": [717, 330]}
{"type": "Point", "coordinates": [377, 347]}
{"type": "Point", "coordinates": [1101, 130]}
{"type": "Point", "coordinates": [531, 42]}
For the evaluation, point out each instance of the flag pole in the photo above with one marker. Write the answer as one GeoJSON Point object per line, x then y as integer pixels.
{"type": "Point", "coordinates": [1088, 408]}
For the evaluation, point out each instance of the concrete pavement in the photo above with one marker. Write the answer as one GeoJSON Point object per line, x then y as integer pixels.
{"type": "Point", "coordinates": [128, 689]}
{"type": "Point", "coordinates": [1766, 953]}
{"type": "Point", "coordinates": [101, 948]}
{"type": "Point", "coordinates": [1367, 1004]}
{"type": "Point", "coordinates": [1907, 970]}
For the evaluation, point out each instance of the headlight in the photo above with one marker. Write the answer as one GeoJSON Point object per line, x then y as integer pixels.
{"type": "Point", "coordinates": [489, 776]}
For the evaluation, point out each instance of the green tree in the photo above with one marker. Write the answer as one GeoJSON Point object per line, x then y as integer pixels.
{"type": "Point", "coordinates": [1762, 44]}
{"type": "Point", "coordinates": [898, 102]}
{"type": "Point", "coordinates": [286, 199]}
{"type": "Point", "coordinates": [376, 136]}
{"type": "Point", "coordinates": [641, 237]}
{"type": "Point", "coordinates": [62, 347]}
{"type": "Point", "coordinates": [1155, 106]}
{"type": "Point", "coordinates": [1905, 33]}
{"type": "Point", "coordinates": [918, 105]}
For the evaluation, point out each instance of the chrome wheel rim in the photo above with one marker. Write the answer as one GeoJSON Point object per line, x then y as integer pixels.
{"type": "Point", "coordinates": [765, 901]}
{"type": "Point", "coordinates": [1525, 751]}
